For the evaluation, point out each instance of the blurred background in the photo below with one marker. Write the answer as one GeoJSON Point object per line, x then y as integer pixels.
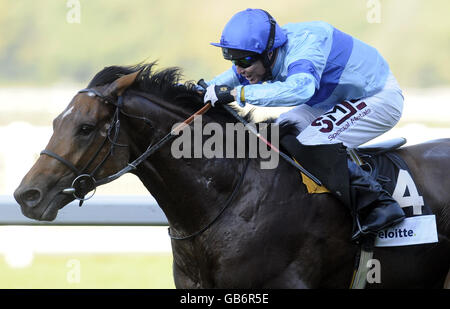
{"type": "Point", "coordinates": [51, 49]}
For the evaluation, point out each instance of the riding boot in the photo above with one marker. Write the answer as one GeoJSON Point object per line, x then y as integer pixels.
{"type": "Point", "coordinates": [371, 207]}
{"type": "Point", "coordinates": [375, 208]}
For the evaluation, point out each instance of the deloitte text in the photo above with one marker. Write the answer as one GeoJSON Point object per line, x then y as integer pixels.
{"type": "Point", "coordinates": [396, 233]}
{"type": "Point", "coordinates": [233, 140]}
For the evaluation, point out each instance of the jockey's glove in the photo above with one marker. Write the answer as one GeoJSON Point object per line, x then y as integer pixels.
{"type": "Point", "coordinates": [218, 94]}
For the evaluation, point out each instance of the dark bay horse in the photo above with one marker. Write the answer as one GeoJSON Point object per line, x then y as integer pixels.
{"type": "Point", "coordinates": [254, 228]}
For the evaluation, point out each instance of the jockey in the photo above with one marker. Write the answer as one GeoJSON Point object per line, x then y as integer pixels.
{"type": "Point", "coordinates": [342, 92]}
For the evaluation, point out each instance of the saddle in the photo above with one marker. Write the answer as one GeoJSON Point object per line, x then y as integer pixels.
{"type": "Point", "coordinates": [382, 147]}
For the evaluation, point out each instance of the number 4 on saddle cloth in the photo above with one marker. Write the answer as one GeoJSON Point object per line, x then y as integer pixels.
{"type": "Point", "coordinates": [392, 172]}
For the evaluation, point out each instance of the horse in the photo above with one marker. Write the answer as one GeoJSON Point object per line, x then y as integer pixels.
{"type": "Point", "coordinates": [232, 224]}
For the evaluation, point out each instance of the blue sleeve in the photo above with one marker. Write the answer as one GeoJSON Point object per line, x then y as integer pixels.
{"type": "Point", "coordinates": [308, 52]}
{"type": "Point", "coordinates": [305, 58]}
{"type": "Point", "coordinates": [295, 90]}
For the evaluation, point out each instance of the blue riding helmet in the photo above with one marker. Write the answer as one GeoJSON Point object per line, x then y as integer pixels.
{"type": "Point", "coordinates": [248, 32]}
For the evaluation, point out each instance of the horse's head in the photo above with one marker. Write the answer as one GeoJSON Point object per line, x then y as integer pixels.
{"type": "Point", "coordinates": [83, 136]}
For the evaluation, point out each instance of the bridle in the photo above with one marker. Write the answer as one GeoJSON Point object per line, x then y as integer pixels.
{"type": "Point", "coordinates": [84, 181]}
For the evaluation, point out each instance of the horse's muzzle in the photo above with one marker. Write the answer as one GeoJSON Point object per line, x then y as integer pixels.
{"type": "Point", "coordinates": [30, 197]}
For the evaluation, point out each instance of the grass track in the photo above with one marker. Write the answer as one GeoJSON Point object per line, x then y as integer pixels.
{"type": "Point", "coordinates": [105, 271]}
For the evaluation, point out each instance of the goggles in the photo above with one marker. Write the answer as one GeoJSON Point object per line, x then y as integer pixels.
{"type": "Point", "coordinates": [245, 62]}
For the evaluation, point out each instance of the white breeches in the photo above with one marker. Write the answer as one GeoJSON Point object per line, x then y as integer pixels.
{"type": "Point", "coordinates": [351, 123]}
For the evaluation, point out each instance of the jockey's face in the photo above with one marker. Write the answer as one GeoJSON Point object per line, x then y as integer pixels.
{"type": "Point", "coordinates": [254, 73]}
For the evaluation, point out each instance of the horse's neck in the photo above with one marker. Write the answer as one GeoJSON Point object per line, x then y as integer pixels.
{"type": "Point", "coordinates": [190, 191]}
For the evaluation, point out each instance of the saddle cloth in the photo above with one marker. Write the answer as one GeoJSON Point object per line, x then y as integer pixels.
{"type": "Point", "coordinates": [392, 172]}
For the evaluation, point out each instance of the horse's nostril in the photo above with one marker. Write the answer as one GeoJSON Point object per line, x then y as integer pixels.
{"type": "Point", "coordinates": [31, 197]}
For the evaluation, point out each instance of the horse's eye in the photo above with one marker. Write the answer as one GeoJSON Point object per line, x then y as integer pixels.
{"type": "Point", "coordinates": [85, 129]}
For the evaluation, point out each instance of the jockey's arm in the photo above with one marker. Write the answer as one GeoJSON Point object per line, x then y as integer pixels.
{"type": "Point", "coordinates": [295, 90]}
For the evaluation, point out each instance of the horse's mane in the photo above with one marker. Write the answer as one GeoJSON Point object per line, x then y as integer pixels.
{"type": "Point", "coordinates": [165, 84]}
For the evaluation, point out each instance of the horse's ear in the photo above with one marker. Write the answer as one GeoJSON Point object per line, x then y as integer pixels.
{"type": "Point", "coordinates": [117, 87]}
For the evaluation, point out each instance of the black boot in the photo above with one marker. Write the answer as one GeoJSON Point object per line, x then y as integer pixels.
{"type": "Point", "coordinates": [375, 209]}
{"type": "Point", "coordinates": [371, 207]}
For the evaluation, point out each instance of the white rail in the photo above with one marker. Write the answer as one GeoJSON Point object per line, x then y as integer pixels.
{"type": "Point", "coordinates": [100, 210]}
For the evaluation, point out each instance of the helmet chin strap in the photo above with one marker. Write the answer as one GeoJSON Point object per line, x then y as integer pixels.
{"type": "Point", "coordinates": [268, 62]}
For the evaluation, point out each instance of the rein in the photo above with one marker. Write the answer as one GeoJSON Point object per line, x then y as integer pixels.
{"type": "Point", "coordinates": [153, 148]}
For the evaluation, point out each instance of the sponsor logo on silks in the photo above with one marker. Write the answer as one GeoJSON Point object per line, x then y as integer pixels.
{"type": "Point", "coordinates": [411, 231]}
